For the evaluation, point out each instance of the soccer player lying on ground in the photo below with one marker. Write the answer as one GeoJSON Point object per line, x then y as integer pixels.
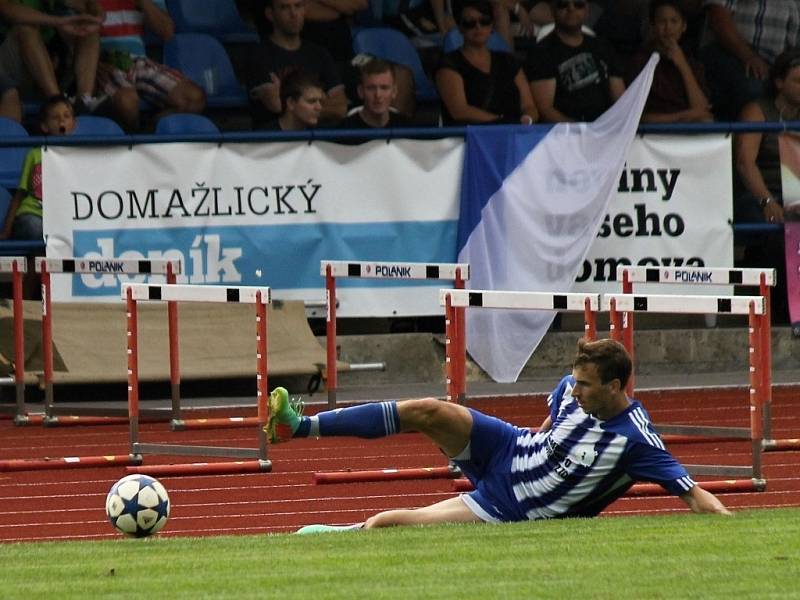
{"type": "Point", "coordinates": [595, 443]}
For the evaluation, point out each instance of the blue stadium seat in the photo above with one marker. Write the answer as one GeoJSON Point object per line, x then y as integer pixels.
{"type": "Point", "coordinates": [89, 126]}
{"type": "Point", "coordinates": [185, 123]}
{"type": "Point", "coordinates": [11, 158]}
{"type": "Point", "coordinates": [219, 18]}
{"type": "Point", "coordinates": [390, 44]}
{"type": "Point", "coordinates": [198, 55]}
{"type": "Point", "coordinates": [453, 40]}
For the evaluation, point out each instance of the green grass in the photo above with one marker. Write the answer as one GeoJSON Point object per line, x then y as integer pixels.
{"type": "Point", "coordinates": [755, 554]}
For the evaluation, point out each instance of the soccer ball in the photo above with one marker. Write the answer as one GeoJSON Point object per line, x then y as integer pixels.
{"type": "Point", "coordinates": [138, 505]}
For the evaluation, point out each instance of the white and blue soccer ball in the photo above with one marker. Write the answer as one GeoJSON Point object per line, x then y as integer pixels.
{"type": "Point", "coordinates": [138, 505]}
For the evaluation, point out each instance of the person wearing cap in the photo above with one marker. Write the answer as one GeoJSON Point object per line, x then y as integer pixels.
{"type": "Point", "coordinates": [574, 76]}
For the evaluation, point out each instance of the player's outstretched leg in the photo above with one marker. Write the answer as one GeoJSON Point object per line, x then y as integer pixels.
{"type": "Point", "coordinates": [366, 420]}
{"type": "Point", "coordinates": [283, 411]}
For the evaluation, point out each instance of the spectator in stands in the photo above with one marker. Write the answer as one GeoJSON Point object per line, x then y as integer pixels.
{"type": "Point", "coordinates": [747, 36]}
{"type": "Point", "coordinates": [623, 24]}
{"type": "Point", "coordinates": [284, 48]}
{"type": "Point", "coordinates": [24, 218]}
{"type": "Point", "coordinates": [301, 97]}
{"type": "Point", "coordinates": [478, 85]}
{"type": "Point", "coordinates": [378, 90]}
{"type": "Point", "coordinates": [327, 23]}
{"type": "Point", "coordinates": [678, 93]}
{"type": "Point", "coordinates": [126, 75]}
{"type": "Point", "coordinates": [759, 196]}
{"type": "Point", "coordinates": [574, 77]}
{"type": "Point", "coordinates": [758, 160]}
{"type": "Point", "coordinates": [40, 48]}
{"type": "Point", "coordinates": [19, 14]}
{"type": "Point", "coordinates": [10, 104]}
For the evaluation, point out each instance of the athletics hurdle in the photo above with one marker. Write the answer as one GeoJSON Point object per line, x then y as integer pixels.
{"type": "Point", "coordinates": [77, 266]}
{"type": "Point", "coordinates": [765, 279]}
{"type": "Point", "coordinates": [455, 303]}
{"type": "Point", "coordinates": [454, 300]}
{"type": "Point", "coordinates": [455, 379]}
{"type": "Point", "coordinates": [260, 296]}
{"type": "Point", "coordinates": [332, 269]}
{"type": "Point", "coordinates": [752, 306]}
{"type": "Point", "coordinates": [17, 266]}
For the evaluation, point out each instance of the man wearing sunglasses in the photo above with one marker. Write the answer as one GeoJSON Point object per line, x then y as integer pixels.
{"type": "Point", "coordinates": [574, 77]}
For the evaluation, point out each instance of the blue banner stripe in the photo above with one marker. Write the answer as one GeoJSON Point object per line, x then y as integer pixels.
{"type": "Point", "coordinates": [283, 257]}
{"type": "Point", "coordinates": [492, 153]}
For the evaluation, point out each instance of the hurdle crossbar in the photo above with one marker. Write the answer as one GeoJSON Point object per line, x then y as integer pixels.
{"type": "Point", "coordinates": [84, 266]}
{"type": "Point", "coordinates": [17, 266]}
{"type": "Point", "coordinates": [261, 298]}
{"type": "Point", "coordinates": [333, 269]}
{"type": "Point", "coordinates": [330, 477]}
{"type": "Point", "coordinates": [755, 307]}
{"type": "Point", "coordinates": [460, 299]}
{"type": "Point", "coordinates": [765, 279]}
{"type": "Point", "coordinates": [68, 462]}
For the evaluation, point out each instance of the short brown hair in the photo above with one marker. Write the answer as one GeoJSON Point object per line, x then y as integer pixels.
{"type": "Point", "coordinates": [610, 357]}
{"type": "Point", "coordinates": [295, 81]}
{"type": "Point", "coordinates": [376, 66]}
{"type": "Point", "coordinates": [49, 105]}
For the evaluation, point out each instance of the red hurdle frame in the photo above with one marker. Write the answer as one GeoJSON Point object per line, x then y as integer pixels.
{"type": "Point", "coordinates": [455, 302]}
{"type": "Point", "coordinates": [17, 266]}
{"type": "Point", "coordinates": [456, 343]}
{"type": "Point", "coordinates": [755, 308]}
{"type": "Point", "coordinates": [456, 272]}
{"type": "Point", "coordinates": [261, 297]}
{"type": "Point", "coordinates": [765, 279]}
{"type": "Point", "coordinates": [78, 265]}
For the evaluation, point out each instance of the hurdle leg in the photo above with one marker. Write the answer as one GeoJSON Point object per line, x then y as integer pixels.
{"type": "Point", "coordinates": [450, 349]}
{"type": "Point", "coordinates": [766, 358]}
{"type": "Point", "coordinates": [330, 337]}
{"type": "Point", "coordinates": [133, 373]}
{"type": "Point", "coordinates": [261, 376]}
{"type": "Point", "coordinates": [756, 393]}
{"type": "Point", "coordinates": [21, 416]}
{"type": "Point", "coordinates": [174, 365]}
{"type": "Point", "coordinates": [47, 347]}
{"type": "Point", "coordinates": [460, 317]}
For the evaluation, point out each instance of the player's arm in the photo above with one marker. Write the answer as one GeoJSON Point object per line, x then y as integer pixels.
{"type": "Point", "coordinates": [319, 8]}
{"type": "Point", "coordinates": [24, 15]}
{"type": "Point", "coordinates": [8, 225]}
{"type": "Point", "coordinates": [616, 87]}
{"type": "Point", "coordinates": [156, 20]}
{"type": "Point", "coordinates": [720, 20]}
{"type": "Point", "coordinates": [334, 107]}
{"type": "Point", "coordinates": [701, 501]}
{"type": "Point", "coordinates": [544, 96]}
{"type": "Point", "coordinates": [746, 146]}
{"type": "Point", "coordinates": [546, 424]}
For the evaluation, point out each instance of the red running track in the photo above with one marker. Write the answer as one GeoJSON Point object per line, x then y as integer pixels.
{"type": "Point", "coordinates": [69, 504]}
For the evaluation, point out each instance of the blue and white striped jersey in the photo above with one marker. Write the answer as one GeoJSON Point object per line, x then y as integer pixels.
{"type": "Point", "coordinates": [581, 464]}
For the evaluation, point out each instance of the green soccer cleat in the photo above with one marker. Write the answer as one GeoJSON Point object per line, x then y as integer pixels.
{"type": "Point", "coordinates": [282, 411]}
{"type": "Point", "coordinates": [327, 528]}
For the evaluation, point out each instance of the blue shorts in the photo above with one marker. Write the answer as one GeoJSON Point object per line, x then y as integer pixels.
{"type": "Point", "coordinates": [492, 444]}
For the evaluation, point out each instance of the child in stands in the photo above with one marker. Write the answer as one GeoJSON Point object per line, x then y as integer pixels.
{"type": "Point", "coordinates": [24, 218]}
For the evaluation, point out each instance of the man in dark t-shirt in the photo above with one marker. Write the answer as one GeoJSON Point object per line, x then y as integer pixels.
{"type": "Point", "coordinates": [285, 49]}
{"type": "Point", "coordinates": [574, 77]}
{"type": "Point", "coordinates": [377, 89]}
